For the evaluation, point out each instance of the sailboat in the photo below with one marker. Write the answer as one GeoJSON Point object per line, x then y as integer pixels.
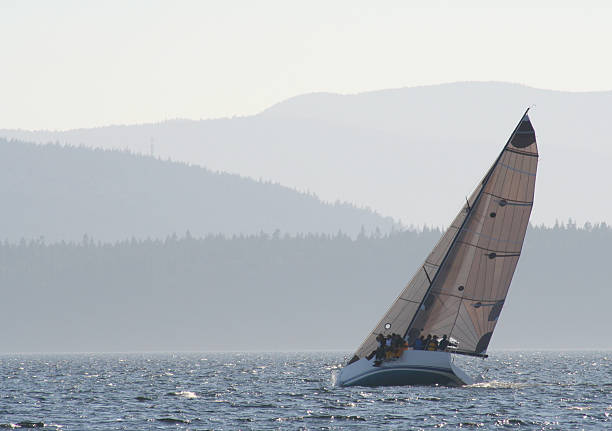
{"type": "Point", "coordinates": [458, 293]}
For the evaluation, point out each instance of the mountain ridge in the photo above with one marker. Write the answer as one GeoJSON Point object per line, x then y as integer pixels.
{"type": "Point", "coordinates": [410, 153]}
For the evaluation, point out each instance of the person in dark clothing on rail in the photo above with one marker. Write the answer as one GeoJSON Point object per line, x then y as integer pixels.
{"type": "Point", "coordinates": [444, 342]}
{"type": "Point", "coordinates": [380, 352]}
{"type": "Point", "coordinates": [397, 341]}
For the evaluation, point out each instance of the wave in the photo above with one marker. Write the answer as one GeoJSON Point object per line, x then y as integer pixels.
{"type": "Point", "coordinates": [496, 384]}
{"type": "Point", "coordinates": [334, 378]}
{"type": "Point", "coordinates": [183, 394]}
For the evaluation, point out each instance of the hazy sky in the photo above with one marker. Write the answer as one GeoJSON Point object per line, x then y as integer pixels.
{"type": "Point", "coordinates": [68, 64]}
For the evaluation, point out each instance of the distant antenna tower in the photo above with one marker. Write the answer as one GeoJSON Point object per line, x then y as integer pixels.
{"type": "Point", "coordinates": [152, 148]}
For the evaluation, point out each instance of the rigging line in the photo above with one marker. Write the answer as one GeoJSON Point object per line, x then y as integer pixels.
{"type": "Point", "coordinates": [510, 201]}
{"type": "Point", "coordinates": [468, 217]}
{"type": "Point", "coordinates": [427, 275]}
{"type": "Point", "coordinates": [507, 253]}
{"type": "Point", "coordinates": [465, 298]}
{"type": "Point", "coordinates": [408, 300]}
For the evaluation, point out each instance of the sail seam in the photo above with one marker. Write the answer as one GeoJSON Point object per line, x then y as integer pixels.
{"type": "Point", "coordinates": [523, 153]}
{"type": "Point", "coordinates": [465, 298]}
{"type": "Point", "coordinates": [517, 170]}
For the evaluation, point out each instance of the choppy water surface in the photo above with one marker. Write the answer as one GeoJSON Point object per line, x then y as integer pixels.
{"type": "Point", "coordinates": [549, 390]}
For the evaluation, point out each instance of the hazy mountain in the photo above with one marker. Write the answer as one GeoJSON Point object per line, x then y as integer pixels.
{"type": "Point", "coordinates": [280, 293]}
{"type": "Point", "coordinates": [64, 193]}
{"type": "Point", "coordinates": [410, 153]}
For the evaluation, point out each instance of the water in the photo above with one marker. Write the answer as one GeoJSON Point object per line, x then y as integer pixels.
{"type": "Point", "coordinates": [229, 391]}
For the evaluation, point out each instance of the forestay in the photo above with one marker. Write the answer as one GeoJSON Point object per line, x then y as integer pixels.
{"type": "Point", "coordinates": [461, 287]}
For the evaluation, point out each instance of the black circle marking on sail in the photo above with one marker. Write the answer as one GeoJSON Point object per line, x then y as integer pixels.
{"type": "Point", "coordinates": [525, 135]}
{"type": "Point", "coordinates": [503, 203]}
{"type": "Point", "coordinates": [492, 215]}
{"type": "Point", "coordinates": [492, 255]}
{"type": "Point", "coordinates": [460, 288]}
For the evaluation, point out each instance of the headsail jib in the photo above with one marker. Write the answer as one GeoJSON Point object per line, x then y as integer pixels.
{"type": "Point", "coordinates": [461, 287]}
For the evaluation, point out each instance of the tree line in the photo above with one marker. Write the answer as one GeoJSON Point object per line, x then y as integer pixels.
{"type": "Point", "coordinates": [279, 292]}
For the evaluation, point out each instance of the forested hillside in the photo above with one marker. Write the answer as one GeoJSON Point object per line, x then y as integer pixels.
{"type": "Point", "coordinates": [63, 193]}
{"type": "Point", "coordinates": [280, 292]}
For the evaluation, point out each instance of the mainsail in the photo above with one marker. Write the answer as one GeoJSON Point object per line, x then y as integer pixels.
{"type": "Point", "coordinates": [460, 289]}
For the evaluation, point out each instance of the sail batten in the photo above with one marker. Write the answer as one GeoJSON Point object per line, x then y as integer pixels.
{"type": "Point", "coordinates": [461, 287]}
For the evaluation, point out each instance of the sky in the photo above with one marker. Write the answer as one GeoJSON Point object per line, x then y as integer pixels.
{"type": "Point", "coordinates": [73, 64]}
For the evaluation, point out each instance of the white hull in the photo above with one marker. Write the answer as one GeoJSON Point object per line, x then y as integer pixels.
{"type": "Point", "coordinates": [414, 367]}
